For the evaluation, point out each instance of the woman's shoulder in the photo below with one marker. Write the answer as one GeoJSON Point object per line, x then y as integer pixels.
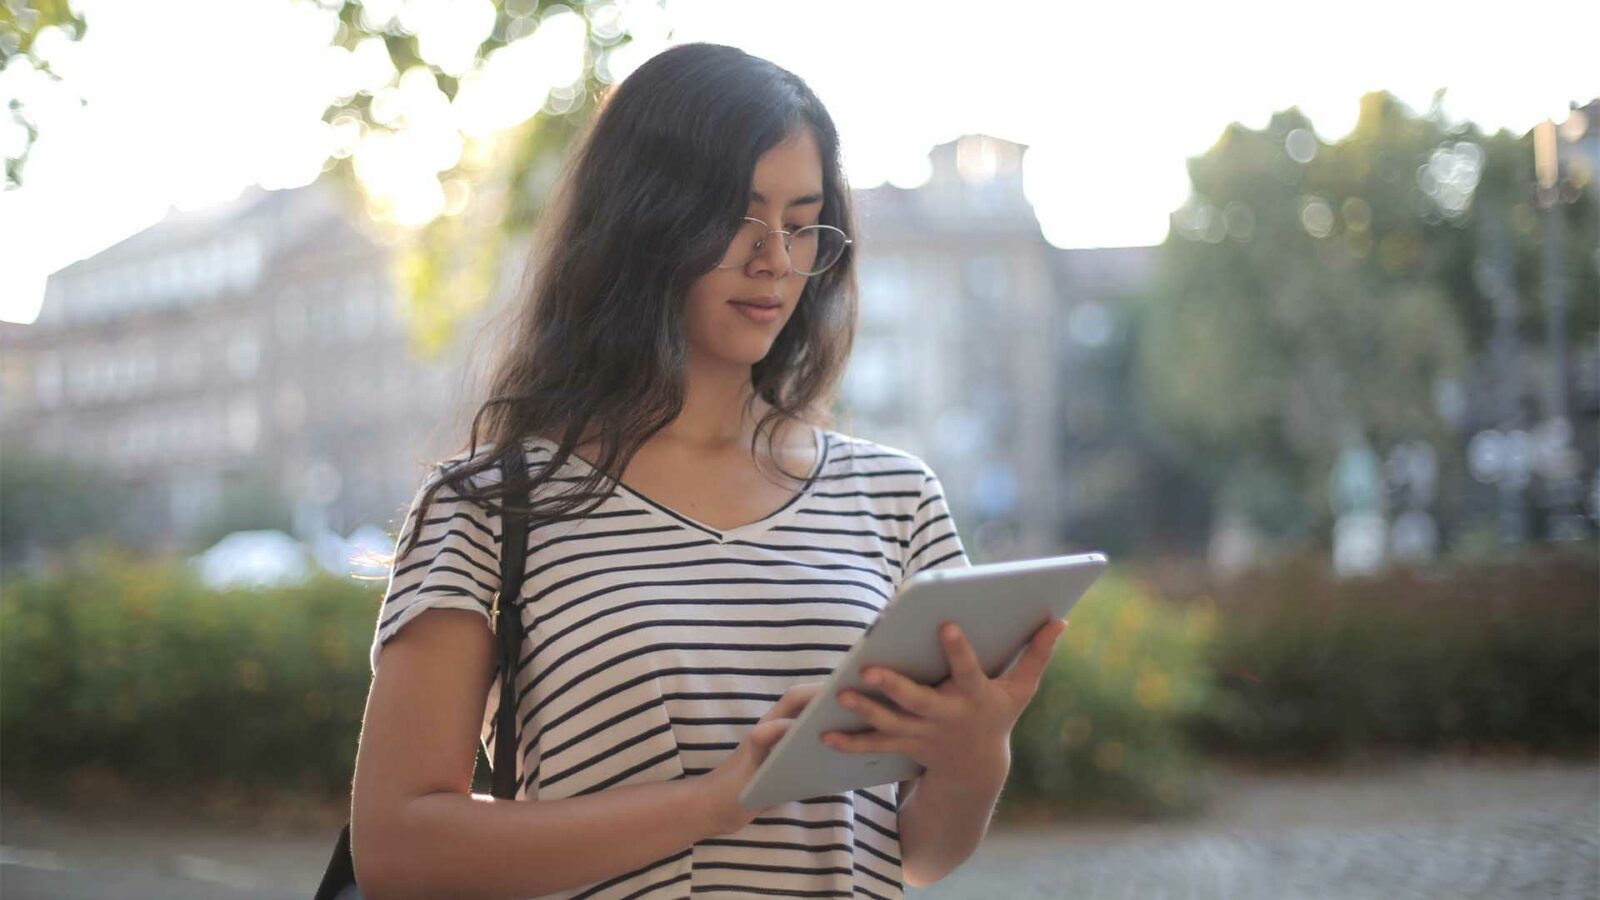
{"type": "Point", "coordinates": [536, 450]}
{"type": "Point", "coordinates": [867, 456]}
{"type": "Point", "coordinates": [888, 482]}
{"type": "Point", "coordinates": [482, 468]}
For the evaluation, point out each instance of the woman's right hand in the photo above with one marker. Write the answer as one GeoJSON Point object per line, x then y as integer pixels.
{"type": "Point", "coordinates": [723, 784]}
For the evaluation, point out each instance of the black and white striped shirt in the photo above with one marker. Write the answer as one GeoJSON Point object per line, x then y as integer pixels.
{"type": "Point", "coordinates": [656, 642]}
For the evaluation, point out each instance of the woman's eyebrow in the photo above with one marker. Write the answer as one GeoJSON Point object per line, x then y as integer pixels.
{"type": "Point", "coordinates": [798, 201]}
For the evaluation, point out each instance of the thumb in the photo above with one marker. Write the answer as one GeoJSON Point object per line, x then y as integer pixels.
{"type": "Point", "coordinates": [768, 733]}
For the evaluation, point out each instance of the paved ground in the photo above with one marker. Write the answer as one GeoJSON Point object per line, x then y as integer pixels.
{"type": "Point", "coordinates": [1418, 829]}
{"type": "Point", "coordinates": [1415, 830]}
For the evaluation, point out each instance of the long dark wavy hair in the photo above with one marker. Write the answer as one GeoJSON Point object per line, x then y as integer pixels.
{"type": "Point", "coordinates": [649, 202]}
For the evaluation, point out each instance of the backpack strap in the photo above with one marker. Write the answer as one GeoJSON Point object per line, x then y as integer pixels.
{"type": "Point", "coordinates": [508, 628]}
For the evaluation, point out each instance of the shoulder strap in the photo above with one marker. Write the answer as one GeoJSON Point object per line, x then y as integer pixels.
{"type": "Point", "coordinates": [508, 629]}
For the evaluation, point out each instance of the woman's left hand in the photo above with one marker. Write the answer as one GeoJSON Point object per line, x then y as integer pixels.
{"type": "Point", "coordinates": [963, 725]}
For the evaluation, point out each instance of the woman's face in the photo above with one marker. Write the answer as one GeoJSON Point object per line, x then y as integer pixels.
{"type": "Point", "coordinates": [786, 193]}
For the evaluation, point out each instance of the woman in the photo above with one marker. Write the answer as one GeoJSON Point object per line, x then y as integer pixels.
{"type": "Point", "coordinates": [701, 552]}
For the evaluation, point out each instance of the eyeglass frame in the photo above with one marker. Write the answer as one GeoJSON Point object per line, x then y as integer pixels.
{"type": "Point", "coordinates": [788, 242]}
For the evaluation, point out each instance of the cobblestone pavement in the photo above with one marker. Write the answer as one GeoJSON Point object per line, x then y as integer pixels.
{"type": "Point", "coordinates": [1417, 829]}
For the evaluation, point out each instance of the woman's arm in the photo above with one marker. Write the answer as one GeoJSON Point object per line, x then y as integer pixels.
{"type": "Point", "coordinates": [944, 820]}
{"type": "Point", "coordinates": [416, 829]}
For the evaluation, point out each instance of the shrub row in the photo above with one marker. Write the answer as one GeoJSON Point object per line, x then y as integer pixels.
{"type": "Point", "coordinates": [1501, 655]}
{"type": "Point", "coordinates": [137, 668]}
{"type": "Point", "coordinates": [1107, 728]}
{"type": "Point", "coordinates": [140, 668]}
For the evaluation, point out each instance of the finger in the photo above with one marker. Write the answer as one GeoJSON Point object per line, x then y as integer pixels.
{"type": "Point", "coordinates": [765, 734]}
{"type": "Point", "coordinates": [918, 699]}
{"type": "Point", "coordinates": [880, 716]}
{"type": "Point", "coordinates": [801, 695]}
{"type": "Point", "coordinates": [870, 742]}
{"type": "Point", "coordinates": [965, 669]}
{"type": "Point", "coordinates": [793, 700]}
{"type": "Point", "coordinates": [1030, 669]}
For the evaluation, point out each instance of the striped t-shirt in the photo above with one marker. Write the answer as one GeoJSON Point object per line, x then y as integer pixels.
{"type": "Point", "coordinates": [655, 642]}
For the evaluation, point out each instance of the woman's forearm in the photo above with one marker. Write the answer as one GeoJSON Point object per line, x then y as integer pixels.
{"type": "Point", "coordinates": [944, 819]}
{"type": "Point", "coordinates": [459, 845]}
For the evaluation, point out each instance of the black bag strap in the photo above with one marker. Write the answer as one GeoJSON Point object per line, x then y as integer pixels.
{"type": "Point", "coordinates": [508, 628]}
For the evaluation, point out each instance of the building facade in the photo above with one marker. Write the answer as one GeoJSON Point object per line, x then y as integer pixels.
{"type": "Point", "coordinates": [971, 333]}
{"type": "Point", "coordinates": [262, 343]}
{"type": "Point", "coordinates": [255, 343]}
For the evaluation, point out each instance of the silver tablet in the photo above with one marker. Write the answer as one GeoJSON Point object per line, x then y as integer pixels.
{"type": "Point", "coordinates": [998, 606]}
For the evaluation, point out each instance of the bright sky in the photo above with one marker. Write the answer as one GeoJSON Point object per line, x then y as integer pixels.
{"type": "Point", "coordinates": [188, 101]}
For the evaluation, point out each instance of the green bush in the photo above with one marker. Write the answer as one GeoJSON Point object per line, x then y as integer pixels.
{"type": "Point", "coordinates": [1107, 728]}
{"type": "Point", "coordinates": [1502, 654]}
{"type": "Point", "coordinates": [139, 668]}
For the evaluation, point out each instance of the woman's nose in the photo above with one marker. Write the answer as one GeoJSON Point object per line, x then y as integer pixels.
{"type": "Point", "coordinates": [773, 255]}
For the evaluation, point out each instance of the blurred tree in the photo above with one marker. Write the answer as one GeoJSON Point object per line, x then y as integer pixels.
{"type": "Point", "coordinates": [248, 502]}
{"type": "Point", "coordinates": [1131, 499]}
{"type": "Point", "coordinates": [21, 25]}
{"type": "Point", "coordinates": [456, 89]}
{"type": "Point", "coordinates": [48, 505]}
{"type": "Point", "coordinates": [1310, 288]}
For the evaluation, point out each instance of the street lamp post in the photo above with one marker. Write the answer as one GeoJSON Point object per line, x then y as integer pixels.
{"type": "Point", "coordinates": [1547, 168]}
{"type": "Point", "coordinates": [1559, 467]}
{"type": "Point", "coordinates": [1493, 274]}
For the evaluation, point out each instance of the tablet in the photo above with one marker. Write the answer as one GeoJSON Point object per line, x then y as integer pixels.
{"type": "Point", "coordinates": [998, 606]}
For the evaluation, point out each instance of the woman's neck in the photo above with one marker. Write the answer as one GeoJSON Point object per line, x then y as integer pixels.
{"type": "Point", "coordinates": [719, 410]}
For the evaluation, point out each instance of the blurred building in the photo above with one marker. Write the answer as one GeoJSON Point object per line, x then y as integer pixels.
{"type": "Point", "coordinates": [250, 353]}
{"type": "Point", "coordinates": [976, 343]}
{"type": "Point", "coordinates": [257, 349]}
{"type": "Point", "coordinates": [1579, 147]}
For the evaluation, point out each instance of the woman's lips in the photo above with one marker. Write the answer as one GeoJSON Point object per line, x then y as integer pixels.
{"type": "Point", "coordinates": [757, 311]}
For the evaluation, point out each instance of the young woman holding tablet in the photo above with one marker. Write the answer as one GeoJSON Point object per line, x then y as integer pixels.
{"type": "Point", "coordinates": [702, 549]}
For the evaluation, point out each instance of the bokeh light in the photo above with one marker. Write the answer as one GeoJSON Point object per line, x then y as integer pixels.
{"type": "Point", "coordinates": [1316, 217]}
{"type": "Point", "coordinates": [1301, 146]}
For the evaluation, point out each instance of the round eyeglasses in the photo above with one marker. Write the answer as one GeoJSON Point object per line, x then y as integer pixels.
{"type": "Point", "coordinates": [812, 250]}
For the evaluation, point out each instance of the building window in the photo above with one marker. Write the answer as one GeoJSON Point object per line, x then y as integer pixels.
{"type": "Point", "coordinates": [986, 277]}
{"type": "Point", "coordinates": [244, 262]}
{"type": "Point", "coordinates": [872, 381]}
{"type": "Point", "coordinates": [360, 310]}
{"type": "Point", "coordinates": [324, 314]}
{"type": "Point", "coordinates": [47, 380]}
{"type": "Point", "coordinates": [291, 317]}
{"type": "Point", "coordinates": [216, 269]}
{"type": "Point", "coordinates": [885, 291]}
{"type": "Point", "coordinates": [244, 355]}
{"type": "Point", "coordinates": [244, 424]}
{"type": "Point", "coordinates": [144, 367]}
{"type": "Point", "coordinates": [184, 363]}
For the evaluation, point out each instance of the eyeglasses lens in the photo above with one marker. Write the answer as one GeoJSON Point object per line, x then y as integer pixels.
{"type": "Point", "coordinates": [812, 250]}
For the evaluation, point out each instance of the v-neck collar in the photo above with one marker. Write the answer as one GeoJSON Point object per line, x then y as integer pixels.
{"type": "Point", "coordinates": [722, 536]}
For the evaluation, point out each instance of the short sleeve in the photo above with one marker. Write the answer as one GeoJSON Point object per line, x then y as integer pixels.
{"type": "Point", "coordinates": [934, 542]}
{"type": "Point", "coordinates": [455, 563]}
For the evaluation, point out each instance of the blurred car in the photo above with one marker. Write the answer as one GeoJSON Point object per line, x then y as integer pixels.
{"type": "Point", "coordinates": [263, 558]}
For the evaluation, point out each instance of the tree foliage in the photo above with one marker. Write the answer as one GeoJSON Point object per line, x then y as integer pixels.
{"type": "Point", "coordinates": [20, 27]}
{"type": "Point", "coordinates": [449, 267]}
{"type": "Point", "coordinates": [48, 505]}
{"type": "Point", "coordinates": [1313, 291]}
